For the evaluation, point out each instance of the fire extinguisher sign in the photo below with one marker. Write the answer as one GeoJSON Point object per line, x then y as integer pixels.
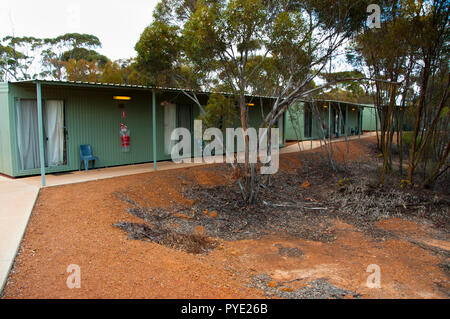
{"type": "Point", "coordinates": [124, 138]}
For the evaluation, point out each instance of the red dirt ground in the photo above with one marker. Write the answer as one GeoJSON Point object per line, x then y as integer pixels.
{"type": "Point", "coordinates": [72, 224]}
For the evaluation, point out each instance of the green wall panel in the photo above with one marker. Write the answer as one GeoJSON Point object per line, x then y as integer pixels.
{"type": "Point", "coordinates": [295, 120]}
{"type": "Point", "coordinates": [6, 165]}
{"type": "Point", "coordinates": [93, 117]}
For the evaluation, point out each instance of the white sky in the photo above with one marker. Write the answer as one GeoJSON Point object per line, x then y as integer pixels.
{"type": "Point", "coordinates": [117, 23]}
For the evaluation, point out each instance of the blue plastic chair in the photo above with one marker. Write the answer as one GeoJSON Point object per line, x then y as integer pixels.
{"type": "Point", "coordinates": [86, 156]}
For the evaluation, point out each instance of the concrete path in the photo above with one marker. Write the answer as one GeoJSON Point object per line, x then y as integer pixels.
{"type": "Point", "coordinates": [17, 196]}
{"type": "Point", "coordinates": [109, 172]}
{"type": "Point", "coordinates": [16, 203]}
{"type": "Point", "coordinates": [307, 145]}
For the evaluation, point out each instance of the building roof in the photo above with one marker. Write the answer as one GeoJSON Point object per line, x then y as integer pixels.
{"type": "Point", "coordinates": [125, 86]}
{"type": "Point", "coordinates": [161, 88]}
{"type": "Point", "coordinates": [342, 102]}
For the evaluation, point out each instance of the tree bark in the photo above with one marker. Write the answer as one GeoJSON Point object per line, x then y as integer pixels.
{"type": "Point", "coordinates": [423, 89]}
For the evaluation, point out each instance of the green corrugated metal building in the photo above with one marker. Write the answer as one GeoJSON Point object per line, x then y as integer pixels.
{"type": "Point", "coordinates": [334, 119]}
{"type": "Point", "coordinates": [88, 113]}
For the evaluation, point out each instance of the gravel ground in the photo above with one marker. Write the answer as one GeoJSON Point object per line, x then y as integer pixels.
{"type": "Point", "coordinates": [316, 289]}
{"type": "Point", "coordinates": [161, 235]}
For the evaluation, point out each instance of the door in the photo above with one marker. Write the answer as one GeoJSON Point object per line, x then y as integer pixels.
{"type": "Point", "coordinates": [54, 128]}
{"type": "Point", "coordinates": [184, 117]}
{"type": "Point", "coordinates": [27, 133]}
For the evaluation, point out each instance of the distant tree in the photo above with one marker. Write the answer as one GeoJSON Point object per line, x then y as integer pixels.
{"type": "Point", "coordinates": [112, 73]}
{"type": "Point", "coordinates": [221, 111]}
{"type": "Point", "coordinates": [70, 46]}
{"type": "Point", "coordinates": [85, 54]}
{"type": "Point", "coordinates": [352, 91]}
{"type": "Point", "coordinates": [17, 57]}
{"type": "Point", "coordinates": [158, 50]}
{"type": "Point", "coordinates": [130, 72]}
{"type": "Point", "coordinates": [81, 70]}
{"type": "Point", "coordinates": [161, 58]}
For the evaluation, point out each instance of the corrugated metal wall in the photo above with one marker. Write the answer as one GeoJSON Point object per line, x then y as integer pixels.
{"type": "Point", "coordinates": [370, 119]}
{"type": "Point", "coordinates": [93, 117]}
{"type": "Point", "coordinates": [298, 119]}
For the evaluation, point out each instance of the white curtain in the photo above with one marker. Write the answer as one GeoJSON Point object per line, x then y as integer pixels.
{"type": "Point", "coordinates": [54, 127]}
{"type": "Point", "coordinates": [27, 134]}
{"type": "Point", "coordinates": [27, 131]}
{"type": "Point", "coordinates": [170, 117]}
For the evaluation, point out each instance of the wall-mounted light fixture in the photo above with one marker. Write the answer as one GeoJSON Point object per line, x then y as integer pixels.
{"type": "Point", "coordinates": [250, 104]}
{"type": "Point", "coordinates": [325, 106]}
{"type": "Point", "coordinates": [121, 98]}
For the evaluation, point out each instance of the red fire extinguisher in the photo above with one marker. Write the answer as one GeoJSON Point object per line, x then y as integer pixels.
{"type": "Point", "coordinates": [124, 138]}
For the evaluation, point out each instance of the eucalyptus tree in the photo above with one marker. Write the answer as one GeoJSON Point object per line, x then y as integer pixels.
{"type": "Point", "coordinates": [431, 25]}
{"type": "Point", "coordinates": [388, 55]}
{"type": "Point", "coordinates": [17, 57]}
{"type": "Point", "coordinates": [58, 51]}
{"type": "Point", "coordinates": [235, 42]}
{"type": "Point", "coordinates": [408, 47]}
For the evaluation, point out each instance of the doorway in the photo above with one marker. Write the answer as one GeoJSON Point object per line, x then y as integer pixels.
{"type": "Point", "coordinates": [184, 116]}
{"type": "Point", "coordinates": [27, 133]}
{"type": "Point", "coordinates": [176, 116]}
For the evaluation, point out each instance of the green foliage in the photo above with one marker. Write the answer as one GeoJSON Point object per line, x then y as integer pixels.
{"type": "Point", "coordinates": [407, 138]}
{"type": "Point", "coordinates": [74, 40]}
{"type": "Point", "coordinates": [266, 78]}
{"type": "Point", "coordinates": [71, 54]}
{"type": "Point", "coordinates": [130, 73]}
{"type": "Point", "coordinates": [112, 73]}
{"type": "Point", "coordinates": [81, 70]}
{"type": "Point", "coordinates": [204, 43]}
{"type": "Point", "coordinates": [85, 54]}
{"type": "Point", "coordinates": [350, 91]}
{"type": "Point", "coordinates": [158, 49]}
{"type": "Point", "coordinates": [344, 15]}
{"type": "Point", "coordinates": [200, 38]}
{"type": "Point", "coordinates": [16, 57]}
{"type": "Point", "coordinates": [220, 112]}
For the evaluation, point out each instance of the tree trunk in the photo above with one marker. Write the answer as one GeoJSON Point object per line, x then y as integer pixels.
{"type": "Point", "coordinates": [386, 151]}
{"type": "Point", "coordinates": [400, 142]}
{"type": "Point", "coordinates": [412, 151]}
{"type": "Point", "coordinates": [437, 172]}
